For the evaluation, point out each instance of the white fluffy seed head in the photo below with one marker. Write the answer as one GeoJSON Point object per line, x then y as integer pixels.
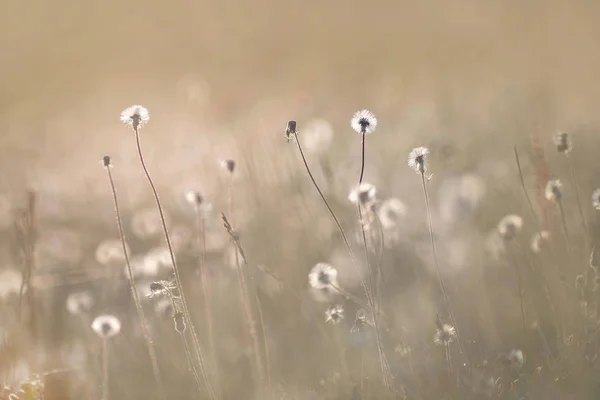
{"type": "Point", "coordinates": [363, 193]}
{"type": "Point", "coordinates": [417, 158]}
{"type": "Point", "coordinates": [322, 276]}
{"type": "Point", "coordinates": [79, 302]}
{"type": "Point", "coordinates": [510, 226]}
{"type": "Point", "coordinates": [334, 314]}
{"type": "Point", "coordinates": [135, 116]}
{"type": "Point", "coordinates": [363, 122]}
{"type": "Point", "coordinates": [596, 199]}
{"type": "Point", "coordinates": [106, 326]}
{"type": "Point", "coordinates": [554, 190]}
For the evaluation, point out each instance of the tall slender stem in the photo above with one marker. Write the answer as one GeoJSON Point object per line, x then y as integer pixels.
{"type": "Point", "coordinates": [175, 270]}
{"type": "Point", "coordinates": [437, 265]}
{"type": "Point", "coordinates": [204, 277]}
{"type": "Point", "coordinates": [105, 381]}
{"type": "Point", "coordinates": [132, 287]}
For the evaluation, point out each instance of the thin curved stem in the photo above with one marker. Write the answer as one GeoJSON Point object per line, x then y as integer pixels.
{"type": "Point", "coordinates": [105, 375]}
{"type": "Point", "coordinates": [437, 265]}
{"type": "Point", "coordinates": [578, 199]}
{"type": "Point", "coordinates": [136, 297]}
{"type": "Point", "coordinates": [175, 270]}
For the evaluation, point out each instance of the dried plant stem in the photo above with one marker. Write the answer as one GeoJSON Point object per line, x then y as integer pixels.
{"type": "Point", "coordinates": [204, 277]}
{"type": "Point", "coordinates": [184, 307]}
{"type": "Point", "coordinates": [244, 293]}
{"type": "Point", "coordinates": [437, 267]}
{"type": "Point", "coordinates": [265, 341]}
{"type": "Point", "coordinates": [105, 376]}
{"type": "Point", "coordinates": [520, 288]}
{"type": "Point", "coordinates": [190, 359]}
{"type": "Point", "coordinates": [136, 297]}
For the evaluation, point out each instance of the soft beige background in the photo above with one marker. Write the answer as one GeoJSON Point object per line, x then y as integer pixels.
{"type": "Point", "coordinates": [213, 71]}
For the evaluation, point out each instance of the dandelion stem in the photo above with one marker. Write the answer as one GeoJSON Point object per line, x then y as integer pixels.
{"type": "Point", "coordinates": [136, 297]}
{"type": "Point", "coordinates": [437, 265]}
{"type": "Point", "coordinates": [520, 288]}
{"type": "Point", "coordinates": [352, 256]}
{"type": "Point", "coordinates": [204, 277]}
{"type": "Point", "coordinates": [175, 269]}
{"type": "Point", "coordinates": [105, 392]}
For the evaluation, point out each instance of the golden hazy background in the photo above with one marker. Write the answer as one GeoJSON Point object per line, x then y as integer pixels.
{"type": "Point", "coordinates": [467, 78]}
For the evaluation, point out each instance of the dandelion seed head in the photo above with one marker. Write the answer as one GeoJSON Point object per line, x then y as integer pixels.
{"type": "Point", "coordinates": [553, 190]}
{"type": "Point", "coordinates": [364, 122]}
{"type": "Point", "coordinates": [106, 326]}
{"type": "Point", "coordinates": [510, 226]}
{"type": "Point", "coordinates": [194, 198]}
{"type": "Point", "coordinates": [538, 241]}
{"type": "Point", "coordinates": [322, 276]}
{"type": "Point", "coordinates": [317, 136]}
{"type": "Point", "coordinates": [161, 288]}
{"type": "Point", "coordinates": [390, 212]}
{"type": "Point", "coordinates": [334, 314]}
{"type": "Point", "coordinates": [363, 193]}
{"type": "Point", "coordinates": [445, 335]}
{"type": "Point", "coordinates": [417, 158]}
{"type": "Point", "coordinates": [596, 199]}
{"type": "Point", "coordinates": [79, 302]}
{"type": "Point", "coordinates": [110, 252]}
{"type": "Point", "coordinates": [135, 116]}
{"type": "Point", "coordinates": [562, 141]}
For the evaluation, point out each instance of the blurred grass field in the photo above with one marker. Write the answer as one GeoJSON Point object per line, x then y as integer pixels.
{"type": "Point", "coordinates": [470, 80]}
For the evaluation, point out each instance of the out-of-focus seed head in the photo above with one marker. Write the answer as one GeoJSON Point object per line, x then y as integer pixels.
{"type": "Point", "coordinates": [194, 198]}
{"type": "Point", "coordinates": [106, 326]}
{"type": "Point", "coordinates": [417, 158]}
{"type": "Point", "coordinates": [79, 302]}
{"type": "Point", "coordinates": [596, 199]}
{"type": "Point", "coordinates": [539, 240]}
{"type": "Point", "coordinates": [364, 122]}
{"type": "Point", "coordinates": [334, 314]}
{"type": "Point", "coordinates": [445, 335]}
{"type": "Point", "coordinates": [562, 141]}
{"type": "Point", "coordinates": [135, 116]}
{"type": "Point", "coordinates": [510, 226]}
{"type": "Point", "coordinates": [322, 276]}
{"type": "Point", "coordinates": [554, 190]}
{"type": "Point", "coordinates": [363, 193]}
{"type": "Point", "coordinates": [110, 252]}
{"type": "Point", "coordinates": [390, 212]}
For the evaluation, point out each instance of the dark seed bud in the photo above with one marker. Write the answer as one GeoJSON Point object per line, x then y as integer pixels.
{"type": "Point", "coordinates": [230, 165]}
{"type": "Point", "coordinates": [106, 161]}
{"type": "Point", "coordinates": [156, 287]}
{"type": "Point", "coordinates": [290, 131]}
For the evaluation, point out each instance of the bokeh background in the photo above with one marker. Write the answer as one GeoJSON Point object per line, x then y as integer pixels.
{"type": "Point", "coordinates": [468, 79]}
